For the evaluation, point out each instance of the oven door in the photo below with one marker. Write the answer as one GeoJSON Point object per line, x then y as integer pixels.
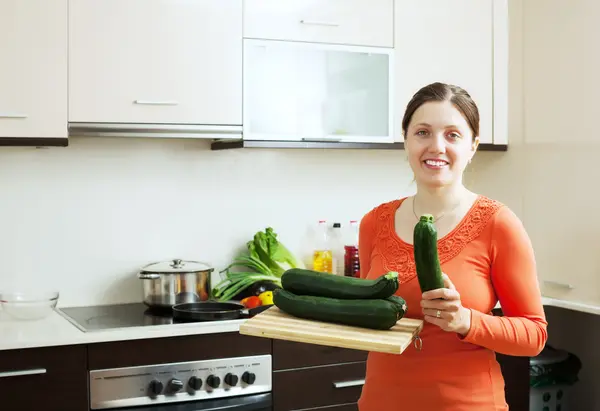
{"type": "Point", "coordinates": [255, 402]}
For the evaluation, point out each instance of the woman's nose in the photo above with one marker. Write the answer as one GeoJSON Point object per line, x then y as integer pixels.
{"type": "Point", "coordinates": [438, 144]}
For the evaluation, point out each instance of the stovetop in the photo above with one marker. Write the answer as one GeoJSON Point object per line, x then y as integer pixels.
{"type": "Point", "coordinates": [105, 317]}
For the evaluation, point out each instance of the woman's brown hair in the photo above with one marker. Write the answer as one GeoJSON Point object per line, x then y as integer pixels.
{"type": "Point", "coordinates": [444, 92]}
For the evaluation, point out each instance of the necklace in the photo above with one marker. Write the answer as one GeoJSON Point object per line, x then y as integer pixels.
{"type": "Point", "coordinates": [435, 219]}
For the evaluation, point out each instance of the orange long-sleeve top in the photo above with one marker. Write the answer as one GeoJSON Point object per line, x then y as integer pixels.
{"type": "Point", "coordinates": [489, 258]}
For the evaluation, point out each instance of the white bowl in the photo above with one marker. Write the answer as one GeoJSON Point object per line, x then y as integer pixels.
{"type": "Point", "coordinates": [28, 305]}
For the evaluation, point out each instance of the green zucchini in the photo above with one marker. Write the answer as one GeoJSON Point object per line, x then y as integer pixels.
{"type": "Point", "coordinates": [399, 304]}
{"type": "Point", "coordinates": [429, 271]}
{"type": "Point", "coordinates": [378, 314]}
{"type": "Point", "coordinates": [308, 282]}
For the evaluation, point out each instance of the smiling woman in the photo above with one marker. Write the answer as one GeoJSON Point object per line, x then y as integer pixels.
{"type": "Point", "coordinates": [485, 254]}
{"type": "Point", "coordinates": [441, 128]}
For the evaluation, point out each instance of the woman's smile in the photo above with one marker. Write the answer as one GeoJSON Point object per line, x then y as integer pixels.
{"type": "Point", "coordinates": [436, 164]}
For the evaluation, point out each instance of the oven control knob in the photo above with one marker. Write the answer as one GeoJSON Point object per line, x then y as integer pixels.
{"type": "Point", "coordinates": [155, 387]}
{"type": "Point", "coordinates": [195, 383]}
{"type": "Point", "coordinates": [231, 379]}
{"type": "Point", "coordinates": [248, 377]}
{"type": "Point", "coordinates": [213, 381]}
{"type": "Point", "coordinates": [175, 385]}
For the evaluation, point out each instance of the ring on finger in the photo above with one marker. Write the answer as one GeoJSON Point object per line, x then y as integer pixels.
{"type": "Point", "coordinates": [438, 314]}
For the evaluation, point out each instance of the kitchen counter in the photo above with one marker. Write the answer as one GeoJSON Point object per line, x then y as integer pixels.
{"type": "Point", "coordinates": [56, 330]}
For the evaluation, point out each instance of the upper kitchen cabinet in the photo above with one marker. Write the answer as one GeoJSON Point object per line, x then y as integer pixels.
{"type": "Point", "coordinates": [349, 22]}
{"type": "Point", "coordinates": [318, 71]}
{"type": "Point", "coordinates": [463, 42]}
{"type": "Point", "coordinates": [155, 67]}
{"type": "Point", "coordinates": [317, 92]}
{"type": "Point", "coordinates": [33, 72]}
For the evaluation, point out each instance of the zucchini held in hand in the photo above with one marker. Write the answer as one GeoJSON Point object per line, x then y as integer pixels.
{"type": "Point", "coordinates": [429, 271]}
{"type": "Point", "coordinates": [377, 314]}
{"type": "Point", "coordinates": [308, 282]}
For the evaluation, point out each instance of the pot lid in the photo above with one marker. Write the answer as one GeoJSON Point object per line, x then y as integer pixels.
{"type": "Point", "coordinates": [176, 266]}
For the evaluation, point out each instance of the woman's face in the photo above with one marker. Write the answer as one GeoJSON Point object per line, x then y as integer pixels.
{"type": "Point", "coordinates": [439, 143]}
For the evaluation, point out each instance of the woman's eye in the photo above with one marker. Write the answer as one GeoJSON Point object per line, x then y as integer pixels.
{"type": "Point", "coordinates": [421, 133]}
{"type": "Point", "coordinates": [454, 135]}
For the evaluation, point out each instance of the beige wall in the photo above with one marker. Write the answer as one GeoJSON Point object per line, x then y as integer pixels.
{"type": "Point", "coordinates": [548, 174]}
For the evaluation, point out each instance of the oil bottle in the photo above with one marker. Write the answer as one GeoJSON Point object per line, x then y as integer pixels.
{"type": "Point", "coordinates": [322, 254]}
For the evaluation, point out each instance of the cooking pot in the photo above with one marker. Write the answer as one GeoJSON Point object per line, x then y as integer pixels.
{"type": "Point", "coordinates": [175, 282]}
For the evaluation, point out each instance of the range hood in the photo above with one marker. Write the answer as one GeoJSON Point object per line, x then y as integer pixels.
{"type": "Point", "coordinates": [199, 131]}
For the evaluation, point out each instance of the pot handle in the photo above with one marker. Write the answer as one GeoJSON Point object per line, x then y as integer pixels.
{"type": "Point", "coordinates": [256, 310]}
{"type": "Point", "coordinates": [148, 276]}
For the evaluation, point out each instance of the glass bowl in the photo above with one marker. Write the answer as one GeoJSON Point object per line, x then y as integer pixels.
{"type": "Point", "coordinates": [28, 305]}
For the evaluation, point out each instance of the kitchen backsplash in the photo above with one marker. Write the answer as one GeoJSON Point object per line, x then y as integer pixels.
{"type": "Point", "coordinates": [84, 219]}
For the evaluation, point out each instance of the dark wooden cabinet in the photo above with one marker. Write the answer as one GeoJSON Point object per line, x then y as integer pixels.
{"type": "Point", "coordinates": [175, 349]}
{"type": "Point", "coordinates": [515, 371]}
{"type": "Point", "coordinates": [318, 386]}
{"type": "Point", "coordinates": [307, 376]}
{"type": "Point", "coordinates": [48, 379]}
{"type": "Point", "coordinates": [516, 379]}
{"type": "Point", "coordinates": [288, 355]}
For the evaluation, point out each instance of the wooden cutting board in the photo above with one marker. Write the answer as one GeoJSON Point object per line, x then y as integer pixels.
{"type": "Point", "coordinates": [276, 324]}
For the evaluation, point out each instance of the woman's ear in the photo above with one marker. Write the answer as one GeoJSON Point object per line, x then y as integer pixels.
{"type": "Point", "coordinates": [475, 144]}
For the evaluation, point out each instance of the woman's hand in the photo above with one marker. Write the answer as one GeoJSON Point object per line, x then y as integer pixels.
{"type": "Point", "coordinates": [443, 308]}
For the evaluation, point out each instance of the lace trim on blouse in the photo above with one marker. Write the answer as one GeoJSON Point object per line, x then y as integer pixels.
{"type": "Point", "coordinates": [397, 255]}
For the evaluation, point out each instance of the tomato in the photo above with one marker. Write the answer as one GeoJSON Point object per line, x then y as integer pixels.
{"type": "Point", "coordinates": [251, 302]}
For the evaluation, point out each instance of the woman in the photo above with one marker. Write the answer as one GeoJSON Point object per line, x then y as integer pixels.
{"type": "Point", "coordinates": [486, 257]}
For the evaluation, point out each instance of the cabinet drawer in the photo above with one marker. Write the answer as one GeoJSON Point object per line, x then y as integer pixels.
{"type": "Point", "coordinates": [352, 22]}
{"type": "Point", "coordinates": [341, 407]}
{"type": "Point", "coordinates": [56, 376]}
{"type": "Point", "coordinates": [161, 62]}
{"type": "Point", "coordinates": [175, 349]}
{"type": "Point", "coordinates": [33, 72]}
{"type": "Point", "coordinates": [320, 386]}
{"type": "Point", "coordinates": [287, 354]}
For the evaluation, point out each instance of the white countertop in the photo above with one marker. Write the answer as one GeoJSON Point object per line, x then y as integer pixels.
{"type": "Point", "coordinates": [57, 330]}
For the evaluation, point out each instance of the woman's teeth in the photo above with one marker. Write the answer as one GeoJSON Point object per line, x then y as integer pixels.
{"type": "Point", "coordinates": [436, 163]}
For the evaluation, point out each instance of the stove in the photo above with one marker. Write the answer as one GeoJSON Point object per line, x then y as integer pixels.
{"type": "Point", "coordinates": [119, 316]}
{"type": "Point", "coordinates": [240, 383]}
{"type": "Point", "coordinates": [110, 317]}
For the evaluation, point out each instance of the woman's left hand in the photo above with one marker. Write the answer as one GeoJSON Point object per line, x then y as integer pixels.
{"type": "Point", "coordinates": [443, 308]}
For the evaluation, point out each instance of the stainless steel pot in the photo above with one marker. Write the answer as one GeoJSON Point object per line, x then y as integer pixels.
{"type": "Point", "coordinates": [175, 282]}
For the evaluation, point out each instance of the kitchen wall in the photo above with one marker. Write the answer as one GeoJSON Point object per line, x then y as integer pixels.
{"type": "Point", "coordinates": [547, 175]}
{"type": "Point", "coordinates": [83, 219]}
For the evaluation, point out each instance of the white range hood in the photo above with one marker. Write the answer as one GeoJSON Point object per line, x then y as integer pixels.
{"type": "Point", "coordinates": [155, 130]}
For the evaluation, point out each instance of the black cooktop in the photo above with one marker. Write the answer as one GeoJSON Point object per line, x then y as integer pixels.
{"type": "Point", "coordinates": [104, 317]}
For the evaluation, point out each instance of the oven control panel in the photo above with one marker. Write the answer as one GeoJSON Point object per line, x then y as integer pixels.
{"type": "Point", "coordinates": [180, 382]}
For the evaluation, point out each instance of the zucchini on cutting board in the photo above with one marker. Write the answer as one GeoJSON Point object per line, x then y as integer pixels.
{"type": "Point", "coordinates": [325, 309]}
{"type": "Point", "coordinates": [301, 281]}
{"type": "Point", "coordinates": [275, 323]}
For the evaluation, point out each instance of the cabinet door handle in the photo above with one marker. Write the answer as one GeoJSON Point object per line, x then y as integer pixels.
{"type": "Point", "coordinates": [34, 371]}
{"type": "Point", "coordinates": [321, 140]}
{"type": "Point", "coordinates": [351, 383]}
{"type": "Point", "coordinates": [319, 23]}
{"type": "Point", "coordinates": [156, 103]}
{"type": "Point", "coordinates": [12, 115]}
{"type": "Point", "coordinates": [559, 284]}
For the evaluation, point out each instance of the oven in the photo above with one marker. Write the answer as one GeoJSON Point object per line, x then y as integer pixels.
{"type": "Point", "coordinates": [225, 384]}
